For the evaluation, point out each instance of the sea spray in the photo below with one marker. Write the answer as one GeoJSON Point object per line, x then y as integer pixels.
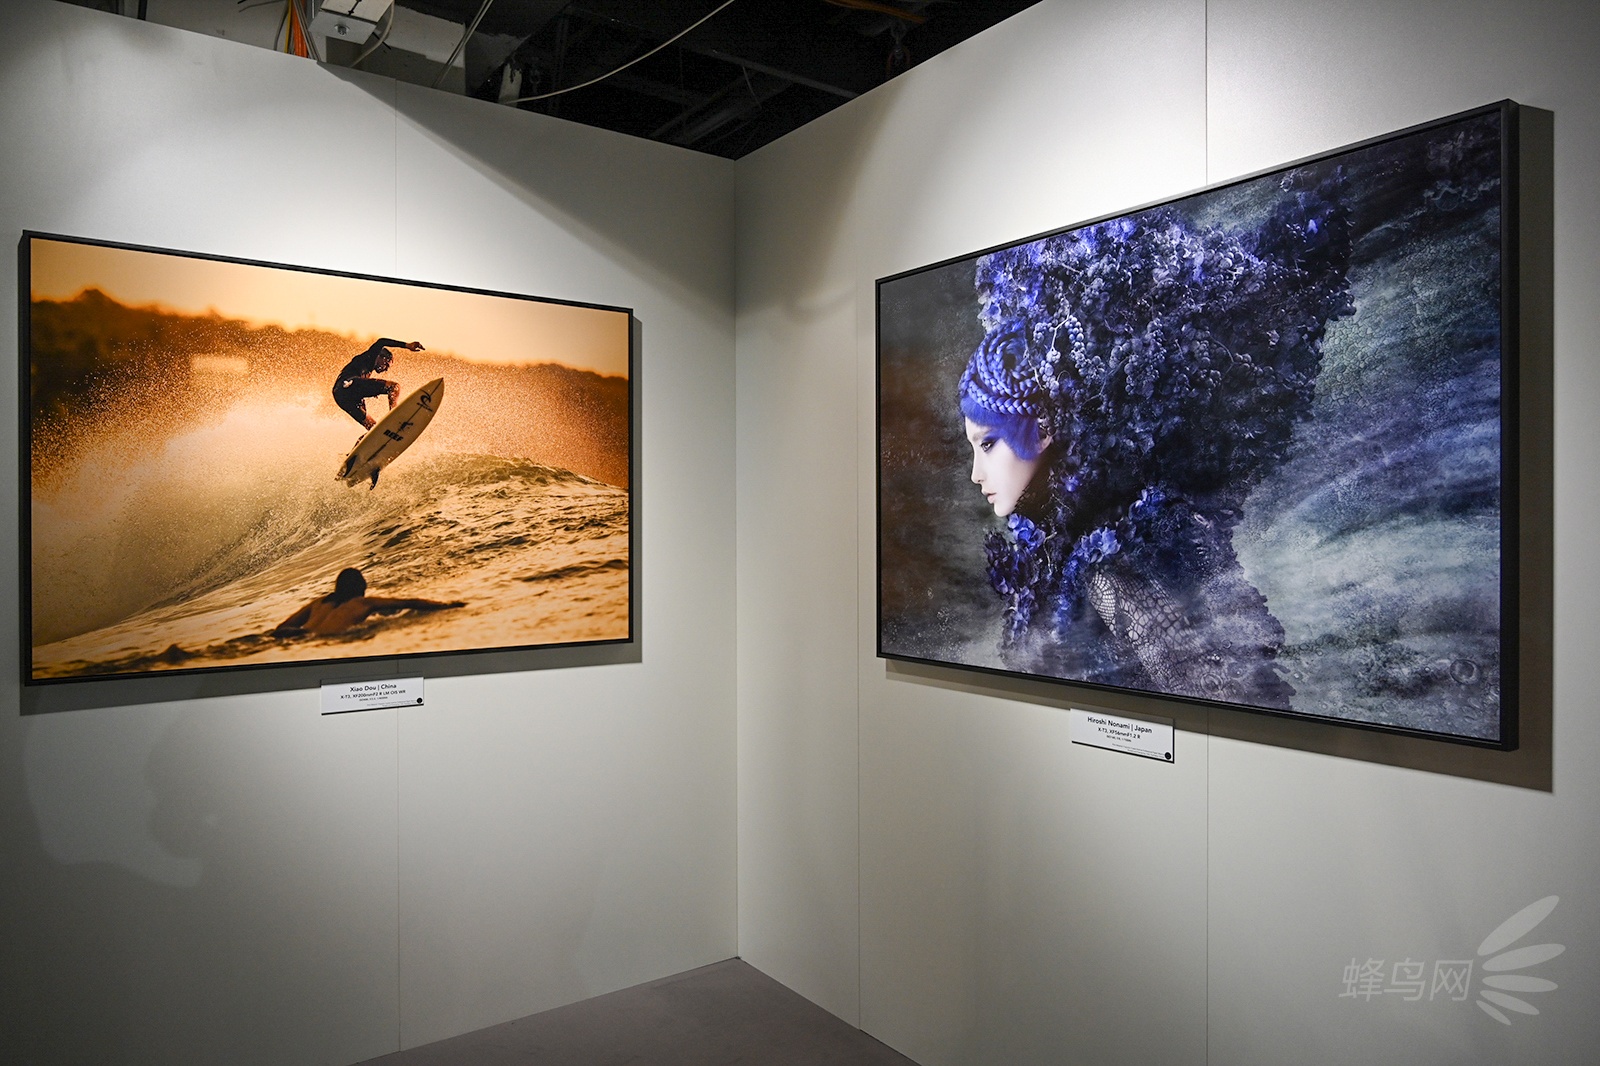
{"type": "Point", "coordinates": [539, 555]}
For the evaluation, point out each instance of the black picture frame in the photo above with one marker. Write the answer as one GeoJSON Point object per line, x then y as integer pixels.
{"type": "Point", "coordinates": [1253, 447]}
{"type": "Point", "coordinates": [181, 508]}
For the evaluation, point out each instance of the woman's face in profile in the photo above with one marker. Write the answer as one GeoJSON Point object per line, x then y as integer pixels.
{"type": "Point", "coordinates": [1000, 474]}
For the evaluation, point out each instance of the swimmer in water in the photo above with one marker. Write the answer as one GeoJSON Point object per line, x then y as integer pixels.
{"type": "Point", "coordinates": [348, 605]}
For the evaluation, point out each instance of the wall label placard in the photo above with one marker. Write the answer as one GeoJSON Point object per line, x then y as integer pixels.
{"type": "Point", "coordinates": [1150, 738]}
{"type": "Point", "coordinates": [345, 696]}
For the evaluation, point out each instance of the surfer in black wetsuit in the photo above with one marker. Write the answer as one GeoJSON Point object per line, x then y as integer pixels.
{"type": "Point", "coordinates": [355, 383]}
{"type": "Point", "coordinates": [346, 606]}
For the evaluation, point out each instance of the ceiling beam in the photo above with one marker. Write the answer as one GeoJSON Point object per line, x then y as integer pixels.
{"type": "Point", "coordinates": [518, 18]}
{"type": "Point", "coordinates": [732, 103]}
{"type": "Point", "coordinates": [776, 37]}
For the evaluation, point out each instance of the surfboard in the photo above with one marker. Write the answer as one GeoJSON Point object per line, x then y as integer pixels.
{"type": "Point", "coordinates": [398, 431]}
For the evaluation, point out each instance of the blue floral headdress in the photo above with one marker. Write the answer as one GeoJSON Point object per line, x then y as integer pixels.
{"type": "Point", "coordinates": [1168, 360]}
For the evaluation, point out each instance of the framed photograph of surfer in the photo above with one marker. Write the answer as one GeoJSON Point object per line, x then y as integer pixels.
{"type": "Point", "coordinates": [232, 464]}
{"type": "Point", "coordinates": [1252, 447]}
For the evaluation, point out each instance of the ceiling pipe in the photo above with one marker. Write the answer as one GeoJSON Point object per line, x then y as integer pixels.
{"type": "Point", "coordinates": [625, 66]}
{"type": "Point", "coordinates": [471, 29]}
{"type": "Point", "coordinates": [375, 45]}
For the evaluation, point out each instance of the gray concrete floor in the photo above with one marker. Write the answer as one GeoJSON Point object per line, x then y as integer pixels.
{"type": "Point", "coordinates": [719, 1015]}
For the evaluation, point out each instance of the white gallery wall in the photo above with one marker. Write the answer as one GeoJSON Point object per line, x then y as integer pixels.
{"type": "Point", "coordinates": [206, 870]}
{"type": "Point", "coordinates": [921, 850]}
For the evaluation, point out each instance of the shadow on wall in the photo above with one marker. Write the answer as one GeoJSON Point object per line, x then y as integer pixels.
{"type": "Point", "coordinates": [934, 163]}
{"type": "Point", "coordinates": [1531, 765]}
{"type": "Point", "coordinates": [585, 182]}
{"type": "Point", "coordinates": [160, 688]}
{"type": "Point", "coordinates": [174, 904]}
{"type": "Point", "coordinates": [804, 210]}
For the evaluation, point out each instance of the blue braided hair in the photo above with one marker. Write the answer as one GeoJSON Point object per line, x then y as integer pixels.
{"type": "Point", "coordinates": [1013, 389]}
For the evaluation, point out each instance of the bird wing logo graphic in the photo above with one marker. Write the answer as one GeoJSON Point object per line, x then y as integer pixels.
{"type": "Point", "coordinates": [1500, 961]}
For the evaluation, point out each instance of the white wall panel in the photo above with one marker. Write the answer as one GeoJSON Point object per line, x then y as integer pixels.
{"type": "Point", "coordinates": [1318, 861]}
{"type": "Point", "coordinates": [1049, 898]}
{"type": "Point", "coordinates": [200, 880]}
{"type": "Point", "coordinates": [988, 927]}
{"type": "Point", "coordinates": [568, 832]}
{"type": "Point", "coordinates": [980, 845]}
{"type": "Point", "coordinates": [205, 870]}
{"type": "Point", "coordinates": [797, 579]}
{"type": "Point", "coordinates": [190, 875]}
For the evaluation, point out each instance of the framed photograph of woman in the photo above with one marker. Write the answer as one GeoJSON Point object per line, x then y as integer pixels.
{"type": "Point", "coordinates": [233, 464]}
{"type": "Point", "coordinates": [1251, 447]}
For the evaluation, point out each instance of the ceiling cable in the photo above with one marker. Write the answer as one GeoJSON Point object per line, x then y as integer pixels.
{"type": "Point", "coordinates": [471, 29]}
{"type": "Point", "coordinates": [625, 66]}
{"type": "Point", "coordinates": [305, 31]}
{"type": "Point", "coordinates": [375, 45]}
{"type": "Point", "coordinates": [283, 25]}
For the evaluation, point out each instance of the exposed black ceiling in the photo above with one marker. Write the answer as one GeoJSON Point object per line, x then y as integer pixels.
{"type": "Point", "coordinates": [746, 76]}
